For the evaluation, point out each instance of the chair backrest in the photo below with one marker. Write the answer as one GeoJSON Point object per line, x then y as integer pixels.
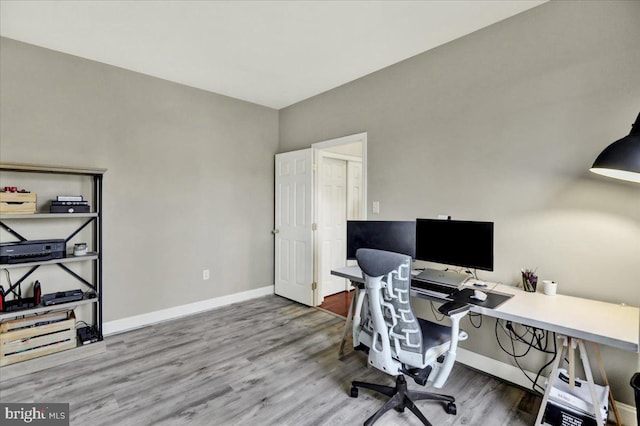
{"type": "Point", "coordinates": [388, 326]}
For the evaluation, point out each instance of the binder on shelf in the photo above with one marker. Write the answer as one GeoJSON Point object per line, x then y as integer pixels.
{"type": "Point", "coordinates": [69, 198]}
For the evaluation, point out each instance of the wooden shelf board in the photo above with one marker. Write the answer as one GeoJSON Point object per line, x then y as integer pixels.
{"type": "Point", "coordinates": [41, 309]}
{"type": "Point", "coordinates": [47, 216]}
{"type": "Point", "coordinates": [39, 168]}
{"type": "Point", "coordinates": [69, 259]}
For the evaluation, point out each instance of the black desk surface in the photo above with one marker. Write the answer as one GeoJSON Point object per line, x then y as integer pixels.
{"type": "Point", "coordinates": [492, 301]}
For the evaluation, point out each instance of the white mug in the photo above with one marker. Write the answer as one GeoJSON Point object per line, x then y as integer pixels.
{"type": "Point", "coordinates": [550, 287]}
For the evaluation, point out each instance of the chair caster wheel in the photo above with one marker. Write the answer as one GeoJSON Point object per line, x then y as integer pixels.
{"type": "Point", "coordinates": [451, 408]}
{"type": "Point", "coordinates": [354, 392]}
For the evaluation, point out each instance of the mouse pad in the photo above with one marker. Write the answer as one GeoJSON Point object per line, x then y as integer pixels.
{"type": "Point", "coordinates": [493, 299]}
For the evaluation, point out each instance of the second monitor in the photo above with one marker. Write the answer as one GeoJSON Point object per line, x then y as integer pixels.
{"type": "Point", "coordinates": [455, 242]}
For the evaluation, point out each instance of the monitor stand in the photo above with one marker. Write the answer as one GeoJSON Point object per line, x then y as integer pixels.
{"type": "Point", "coordinates": [446, 278]}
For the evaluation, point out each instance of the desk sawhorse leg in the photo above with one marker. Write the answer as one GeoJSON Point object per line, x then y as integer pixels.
{"type": "Point", "coordinates": [568, 346]}
{"type": "Point", "coordinates": [355, 308]}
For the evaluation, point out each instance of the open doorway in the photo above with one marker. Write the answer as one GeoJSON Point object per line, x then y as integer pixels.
{"type": "Point", "coordinates": [316, 190]}
{"type": "Point", "coordinates": [340, 196]}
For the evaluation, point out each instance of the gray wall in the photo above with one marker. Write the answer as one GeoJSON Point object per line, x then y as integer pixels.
{"type": "Point", "coordinates": [502, 125]}
{"type": "Point", "coordinates": [189, 184]}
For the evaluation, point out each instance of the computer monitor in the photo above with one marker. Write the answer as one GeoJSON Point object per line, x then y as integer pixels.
{"type": "Point", "coordinates": [455, 242]}
{"type": "Point", "coordinates": [395, 236]}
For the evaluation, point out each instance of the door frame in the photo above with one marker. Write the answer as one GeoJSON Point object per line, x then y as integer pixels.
{"type": "Point", "coordinates": [318, 147]}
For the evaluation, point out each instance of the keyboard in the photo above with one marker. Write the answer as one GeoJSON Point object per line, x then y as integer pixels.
{"type": "Point", "coordinates": [432, 289]}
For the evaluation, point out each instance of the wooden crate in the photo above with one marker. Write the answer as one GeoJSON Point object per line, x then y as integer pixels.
{"type": "Point", "coordinates": [21, 339]}
{"type": "Point", "coordinates": [17, 202]}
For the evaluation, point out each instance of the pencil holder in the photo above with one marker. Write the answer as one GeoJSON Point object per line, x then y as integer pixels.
{"type": "Point", "coordinates": [529, 280]}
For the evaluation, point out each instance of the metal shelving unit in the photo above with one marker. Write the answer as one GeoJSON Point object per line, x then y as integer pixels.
{"type": "Point", "coordinates": [95, 257]}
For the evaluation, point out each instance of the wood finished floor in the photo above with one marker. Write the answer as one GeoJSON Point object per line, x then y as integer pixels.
{"type": "Point", "coordinates": [338, 303]}
{"type": "Point", "coordinates": [268, 361]}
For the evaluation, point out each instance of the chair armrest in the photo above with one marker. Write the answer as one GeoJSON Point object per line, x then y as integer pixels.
{"type": "Point", "coordinates": [456, 311]}
{"type": "Point", "coordinates": [454, 307]}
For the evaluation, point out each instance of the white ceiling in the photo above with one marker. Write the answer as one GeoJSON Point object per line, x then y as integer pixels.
{"type": "Point", "coordinates": [273, 53]}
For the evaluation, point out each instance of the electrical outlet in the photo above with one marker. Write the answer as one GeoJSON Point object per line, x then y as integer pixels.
{"type": "Point", "coordinates": [376, 207]}
{"type": "Point", "coordinates": [205, 274]}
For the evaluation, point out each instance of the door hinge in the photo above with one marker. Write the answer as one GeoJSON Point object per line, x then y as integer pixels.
{"type": "Point", "coordinates": [314, 286]}
{"type": "Point", "coordinates": [314, 167]}
{"type": "Point", "coordinates": [275, 231]}
{"type": "Point", "coordinates": [314, 226]}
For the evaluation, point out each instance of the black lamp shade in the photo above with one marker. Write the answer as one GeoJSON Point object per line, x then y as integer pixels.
{"type": "Point", "coordinates": [621, 159]}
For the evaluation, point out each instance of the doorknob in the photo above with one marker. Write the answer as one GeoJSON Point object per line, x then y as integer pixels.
{"type": "Point", "coordinates": [275, 231]}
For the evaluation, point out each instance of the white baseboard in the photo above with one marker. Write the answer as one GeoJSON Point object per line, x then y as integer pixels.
{"type": "Point", "coordinates": [494, 367]}
{"type": "Point", "coordinates": [513, 374]}
{"type": "Point", "coordinates": [138, 321]}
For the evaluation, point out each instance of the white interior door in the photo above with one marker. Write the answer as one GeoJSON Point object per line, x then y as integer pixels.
{"type": "Point", "coordinates": [333, 220]}
{"type": "Point", "coordinates": [293, 226]}
{"type": "Point", "coordinates": [354, 190]}
{"type": "Point", "coordinates": [354, 196]}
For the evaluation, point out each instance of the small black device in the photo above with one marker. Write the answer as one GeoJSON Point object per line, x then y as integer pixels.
{"type": "Point", "coordinates": [395, 236]}
{"type": "Point", "coordinates": [62, 297]}
{"type": "Point", "coordinates": [69, 207]}
{"type": "Point", "coordinates": [88, 335]}
{"type": "Point", "coordinates": [455, 242]}
{"type": "Point", "coordinates": [32, 251]}
{"type": "Point", "coordinates": [69, 204]}
{"type": "Point", "coordinates": [18, 304]}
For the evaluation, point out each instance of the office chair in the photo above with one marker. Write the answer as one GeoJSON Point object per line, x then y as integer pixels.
{"type": "Point", "coordinates": [397, 342]}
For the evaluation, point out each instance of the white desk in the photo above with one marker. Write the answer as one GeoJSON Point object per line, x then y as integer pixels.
{"type": "Point", "coordinates": [599, 322]}
{"type": "Point", "coordinates": [579, 319]}
{"type": "Point", "coordinates": [608, 324]}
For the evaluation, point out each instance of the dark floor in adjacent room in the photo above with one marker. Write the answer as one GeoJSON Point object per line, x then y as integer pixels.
{"type": "Point", "coordinates": [337, 303]}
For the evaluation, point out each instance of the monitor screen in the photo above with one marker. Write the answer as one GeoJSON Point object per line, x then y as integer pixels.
{"type": "Point", "coordinates": [395, 236]}
{"type": "Point", "coordinates": [455, 242]}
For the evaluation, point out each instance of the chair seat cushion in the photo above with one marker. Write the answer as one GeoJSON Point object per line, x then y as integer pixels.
{"type": "Point", "coordinates": [433, 333]}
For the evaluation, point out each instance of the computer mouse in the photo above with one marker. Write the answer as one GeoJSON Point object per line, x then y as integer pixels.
{"type": "Point", "coordinates": [479, 295]}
